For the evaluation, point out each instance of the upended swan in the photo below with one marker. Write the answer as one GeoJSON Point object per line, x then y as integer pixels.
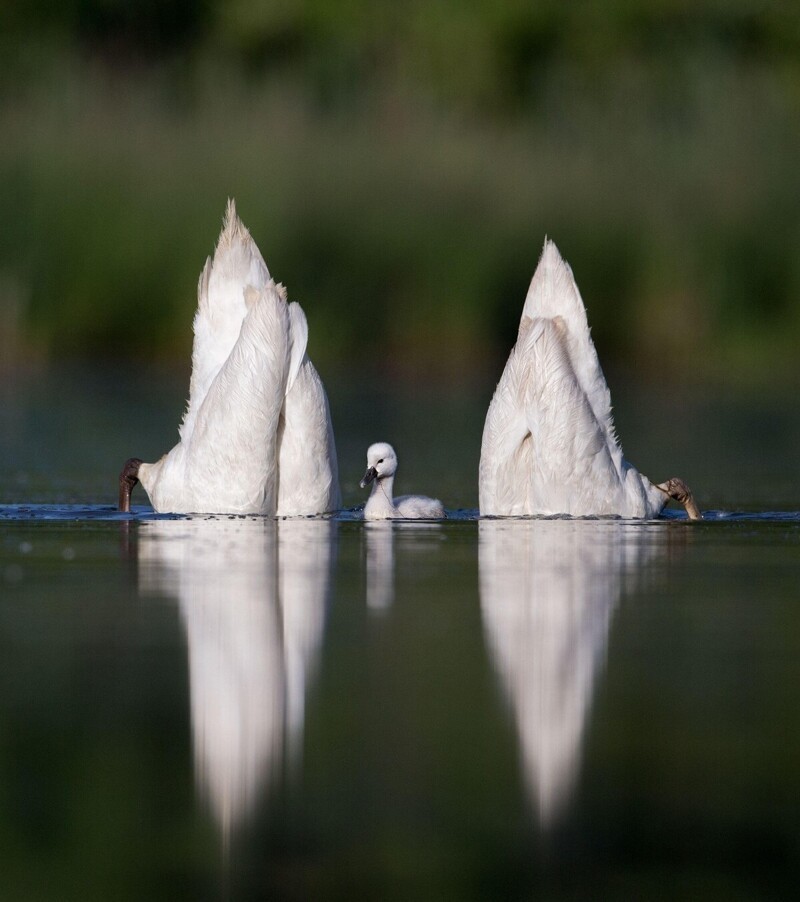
{"type": "Point", "coordinates": [381, 467]}
{"type": "Point", "coordinates": [549, 445]}
{"type": "Point", "coordinates": [256, 437]}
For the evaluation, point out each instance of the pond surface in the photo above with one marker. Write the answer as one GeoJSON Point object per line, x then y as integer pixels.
{"type": "Point", "coordinates": [236, 708]}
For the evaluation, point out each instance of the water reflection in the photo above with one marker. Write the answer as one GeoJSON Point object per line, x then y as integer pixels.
{"type": "Point", "coordinates": [252, 596]}
{"type": "Point", "coordinates": [379, 537]}
{"type": "Point", "coordinates": [548, 592]}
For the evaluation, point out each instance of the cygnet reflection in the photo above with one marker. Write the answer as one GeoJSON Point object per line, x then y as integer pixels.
{"type": "Point", "coordinates": [379, 537]}
{"type": "Point", "coordinates": [548, 591]}
{"type": "Point", "coordinates": [412, 536]}
{"type": "Point", "coordinates": [252, 596]}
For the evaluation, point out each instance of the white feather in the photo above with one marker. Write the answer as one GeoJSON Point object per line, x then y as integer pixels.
{"type": "Point", "coordinates": [381, 505]}
{"type": "Point", "coordinates": [549, 445]}
{"type": "Point", "coordinates": [257, 435]}
{"type": "Point", "coordinates": [307, 482]}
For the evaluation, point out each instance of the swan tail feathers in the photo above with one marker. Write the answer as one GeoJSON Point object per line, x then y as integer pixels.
{"type": "Point", "coordinates": [234, 230]}
{"type": "Point", "coordinates": [553, 290]}
{"type": "Point", "coordinates": [202, 291]}
{"type": "Point", "coordinates": [554, 293]}
{"type": "Point", "coordinates": [237, 258]}
{"type": "Point", "coordinates": [221, 307]}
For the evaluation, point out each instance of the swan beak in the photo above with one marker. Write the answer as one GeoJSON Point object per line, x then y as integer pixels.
{"type": "Point", "coordinates": [680, 492]}
{"type": "Point", "coordinates": [127, 480]}
{"type": "Point", "coordinates": [369, 477]}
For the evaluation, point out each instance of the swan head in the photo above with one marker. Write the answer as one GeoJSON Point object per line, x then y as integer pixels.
{"type": "Point", "coordinates": [381, 462]}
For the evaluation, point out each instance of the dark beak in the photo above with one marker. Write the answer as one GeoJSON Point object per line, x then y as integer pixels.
{"type": "Point", "coordinates": [369, 477]}
{"type": "Point", "coordinates": [127, 480]}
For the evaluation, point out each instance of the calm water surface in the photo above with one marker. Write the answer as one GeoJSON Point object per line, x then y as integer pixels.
{"type": "Point", "coordinates": [213, 707]}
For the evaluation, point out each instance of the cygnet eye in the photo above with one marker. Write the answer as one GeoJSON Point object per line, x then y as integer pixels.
{"type": "Point", "coordinates": [380, 461]}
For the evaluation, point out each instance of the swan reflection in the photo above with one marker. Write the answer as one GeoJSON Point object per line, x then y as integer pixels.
{"type": "Point", "coordinates": [252, 596]}
{"type": "Point", "coordinates": [548, 591]}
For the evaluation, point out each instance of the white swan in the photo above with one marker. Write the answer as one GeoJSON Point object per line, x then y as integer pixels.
{"type": "Point", "coordinates": [381, 467]}
{"type": "Point", "coordinates": [549, 445]}
{"type": "Point", "coordinates": [257, 436]}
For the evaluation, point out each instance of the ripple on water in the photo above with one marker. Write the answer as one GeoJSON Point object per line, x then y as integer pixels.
{"type": "Point", "coordinates": [88, 512]}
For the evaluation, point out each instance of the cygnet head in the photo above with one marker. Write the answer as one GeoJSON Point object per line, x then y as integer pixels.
{"type": "Point", "coordinates": [381, 462]}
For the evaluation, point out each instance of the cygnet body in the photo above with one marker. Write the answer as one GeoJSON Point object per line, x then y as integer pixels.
{"type": "Point", "coordinates": [381, 467]}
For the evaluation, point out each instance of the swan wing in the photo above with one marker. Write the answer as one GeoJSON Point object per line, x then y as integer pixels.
{"type": "Point", "coordinates": [298, 328]}
{"type": "Point", "coordinates": [308, 472]}
{"type": "Point", "coordinates": [505, 451]}
{"type": "Point", "coordinates": [231, 462]}
{"type": "Point", "coordinates": [543, 450]}
{"type": "Point", "coordinates": [221, 309]}
{"type": "Point", "coordinates": [572, 468]}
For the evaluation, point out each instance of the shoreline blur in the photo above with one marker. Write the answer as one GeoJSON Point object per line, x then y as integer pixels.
{"type": "Point", "coordinates": [400, 178]}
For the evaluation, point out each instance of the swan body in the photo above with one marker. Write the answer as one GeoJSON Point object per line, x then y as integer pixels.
{"type": "Point", "coordinates": [381, 467]}
{"type": "Point", "coordinates": [256, 437]}
{"type": "Point", "coordinates": [549, 445]}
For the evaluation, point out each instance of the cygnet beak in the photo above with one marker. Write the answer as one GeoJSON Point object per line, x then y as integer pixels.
{"type": "Point", "coordinates": [369, 476]}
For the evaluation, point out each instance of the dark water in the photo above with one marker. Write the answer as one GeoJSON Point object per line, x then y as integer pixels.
{"type": "Point", "coordinates": [206, 708]}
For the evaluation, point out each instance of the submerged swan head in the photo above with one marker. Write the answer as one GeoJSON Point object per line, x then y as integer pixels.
{"type": "Point", "coordinates": [381, 462]}
{"type": "Point", "coordinates": [128, 479]}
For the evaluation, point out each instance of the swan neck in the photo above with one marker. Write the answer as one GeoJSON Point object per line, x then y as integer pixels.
{"type": "Point", "coordinates": [383, 486]}
{"type": "Point", "coordinates": [380, 503]}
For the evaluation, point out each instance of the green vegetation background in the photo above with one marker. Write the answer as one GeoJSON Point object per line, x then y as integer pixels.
{"type": "Point", "coordinates": [399, 164]}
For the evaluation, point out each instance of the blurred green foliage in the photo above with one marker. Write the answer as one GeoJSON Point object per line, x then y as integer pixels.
{"type": "Point", "coordinates": [399, 165]}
